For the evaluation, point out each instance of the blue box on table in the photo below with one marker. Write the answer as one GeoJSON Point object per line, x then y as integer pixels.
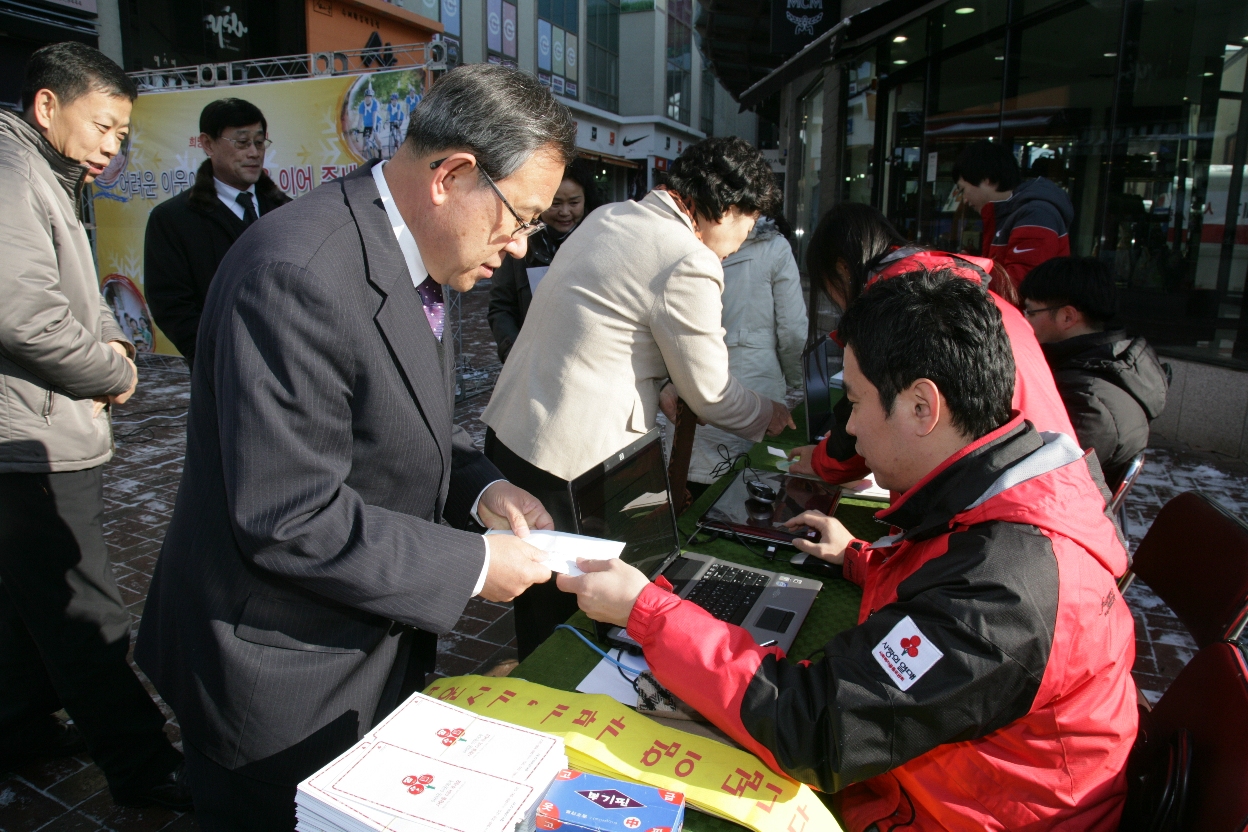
{"type": "Point", "coordinates": [579, 802]}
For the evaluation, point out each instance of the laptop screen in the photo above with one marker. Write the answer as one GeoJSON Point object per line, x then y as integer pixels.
{"type": "Point", "coordinates": [626, 498]}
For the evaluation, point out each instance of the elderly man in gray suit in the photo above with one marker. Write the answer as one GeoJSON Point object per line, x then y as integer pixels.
{"type": "Point", "coordinates": [307, 570]}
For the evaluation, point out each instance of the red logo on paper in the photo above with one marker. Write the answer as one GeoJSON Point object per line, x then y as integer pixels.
{"type": "Point", "coordinates": [417, 783]}
{"type": "Point", "coordinates": [631, 823]}
{"type": "Point", "coordinates": [548, 816]}
{"type": "Point", "coordinates": [450, 735]}
{"type": "Point", "coordinates": [910, 646]}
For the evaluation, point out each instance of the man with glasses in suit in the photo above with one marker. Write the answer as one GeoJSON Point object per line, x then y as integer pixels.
{"type": "Point", "coordinates": [320, 541]}
{"type": "Point", "coordinates": [188, 235]}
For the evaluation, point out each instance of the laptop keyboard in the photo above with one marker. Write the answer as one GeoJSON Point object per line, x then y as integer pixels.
{"type": "Point", "coordinates": [728, 593]}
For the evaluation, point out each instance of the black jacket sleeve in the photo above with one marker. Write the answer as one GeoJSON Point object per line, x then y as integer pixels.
{"type": "Point", "coordinates": [169, 283]}
{"type": "Point", "coordinates": [506, 312]}
{"type": "Point", "coordinates": [989, 606]}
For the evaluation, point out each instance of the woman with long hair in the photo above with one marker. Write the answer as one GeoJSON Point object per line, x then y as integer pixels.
{"type": "Point", "coordinates": [855, 245]}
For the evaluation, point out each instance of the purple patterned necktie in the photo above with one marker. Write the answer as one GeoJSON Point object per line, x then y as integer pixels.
{"type": "Point", "coordinates": [435, 308]}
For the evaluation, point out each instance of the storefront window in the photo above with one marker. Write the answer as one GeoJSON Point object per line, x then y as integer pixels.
{"type": "Point", "coordinates": [861, 84]}
{"type": "Point", "coordinates": [602, 54]}
{"type": "Point", "coordinates": [679, 59]}
{"type": "Point", "coordinates": [1149, 144]}
{"type": "Point", "coordinates": [810, 140]}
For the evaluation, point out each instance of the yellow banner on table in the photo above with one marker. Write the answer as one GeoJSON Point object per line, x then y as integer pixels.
{"type": "Point", "coordinates": [604, 737]}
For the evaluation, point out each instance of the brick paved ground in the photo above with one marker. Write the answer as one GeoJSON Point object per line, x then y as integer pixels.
{"type": "Point", "coordinates": [141, 484]}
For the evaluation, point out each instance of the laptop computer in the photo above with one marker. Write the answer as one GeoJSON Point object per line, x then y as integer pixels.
{"type": "Point", "coordinates": [626, 498]}
{"type": "Point", "coordinates": [758, 503]}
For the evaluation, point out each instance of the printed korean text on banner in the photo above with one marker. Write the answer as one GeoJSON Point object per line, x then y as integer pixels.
{"type": "Point", "coordinates": [603, 737]}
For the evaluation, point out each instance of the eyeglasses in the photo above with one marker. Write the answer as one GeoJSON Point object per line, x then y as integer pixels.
{"type": "Point", "coordinates": [259, 144]}
{"type": "Point", "coordinates": [1031, 313]}
{"type": "Point", "coordinates": [523, 229]}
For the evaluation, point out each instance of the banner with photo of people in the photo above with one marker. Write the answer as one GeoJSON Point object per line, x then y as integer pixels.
{"type": "Point", "coordinates": [322, 128]}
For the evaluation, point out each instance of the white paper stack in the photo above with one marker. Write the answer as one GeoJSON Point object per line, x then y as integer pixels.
{"type": "Point", "coordinates": [433, 766]}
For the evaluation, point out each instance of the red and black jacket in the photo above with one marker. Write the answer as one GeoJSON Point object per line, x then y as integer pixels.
{"type": "Point", "coordinates": [988, 682]}
{"type": "Point", "coordinates": [1032, 226]}
{"type": "Point", "coordinates": [835, 458]}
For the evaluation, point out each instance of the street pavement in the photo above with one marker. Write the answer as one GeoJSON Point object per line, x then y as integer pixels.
{"type": "Point", "coordinates": [140, 486]}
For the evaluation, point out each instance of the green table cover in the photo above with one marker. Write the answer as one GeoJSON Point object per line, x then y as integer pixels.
{"type": "Point", "coordinates": [562, 661]}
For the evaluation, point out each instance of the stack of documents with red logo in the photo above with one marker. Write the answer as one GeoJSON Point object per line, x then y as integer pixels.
{"type": "Point", "coordinates": [433, 766]}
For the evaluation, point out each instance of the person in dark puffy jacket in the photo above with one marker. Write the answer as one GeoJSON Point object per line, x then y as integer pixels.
{"type": "Point", "coordinates": [1025, 222]}
{"type": "Point", "coordinates": [1113, 385]}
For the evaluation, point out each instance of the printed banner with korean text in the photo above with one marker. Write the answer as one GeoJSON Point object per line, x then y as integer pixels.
{"type": "Point", "coordinates": [602, 736]}
{"type": "Point", "coordinates": [321, 128]}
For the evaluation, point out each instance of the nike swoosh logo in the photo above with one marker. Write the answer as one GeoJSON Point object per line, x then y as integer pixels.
{"type": "Point", "coordinates": [1018, 250]}
{"type": "Point", "coordinates": [631, 142]}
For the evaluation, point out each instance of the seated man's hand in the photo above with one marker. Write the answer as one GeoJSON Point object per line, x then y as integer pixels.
{"type": "Point", "coordinates": [834, 537]}
{"type": "Point", "coordinates": [506, 506]}
{"type": "Point", "coordinates": [780, 419]}
{"type": "Point", "coordinates": [514, 567]}
{"type": "Point", "coordinates": [607, 590]}
{"type": "Point", "coordinates": [801, 460]}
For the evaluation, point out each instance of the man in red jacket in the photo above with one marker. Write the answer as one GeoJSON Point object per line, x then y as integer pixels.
{"type": "Point", "coordinates": [988, 683]}
{"type": "Point", "coordinates": [1025, 221]}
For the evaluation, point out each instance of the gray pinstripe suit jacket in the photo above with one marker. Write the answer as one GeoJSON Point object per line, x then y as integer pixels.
{"type": "Point", "coordinates": [304, 570]}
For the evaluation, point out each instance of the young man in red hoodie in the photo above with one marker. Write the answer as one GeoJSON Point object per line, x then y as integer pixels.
{"type": "Point", "coordinates": [988, 683]}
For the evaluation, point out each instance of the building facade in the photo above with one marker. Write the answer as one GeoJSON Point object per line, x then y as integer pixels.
{"type": "Point", "coordinates": [629, 69]}
{"type": "Point", "coordinates": [1134, 107]}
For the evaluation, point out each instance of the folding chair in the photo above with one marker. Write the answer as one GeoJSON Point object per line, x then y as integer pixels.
{"type": "Point", "coordinates": [1117, 505]}
{"type": "Point", "coordinates": [1189, 764]}
{"type": "Point", "coordinates": [1195, 557]}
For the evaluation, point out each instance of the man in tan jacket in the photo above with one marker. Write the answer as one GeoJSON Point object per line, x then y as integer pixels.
{"type": "Point", "coordinates": [64, 634]}
{"type": "Point", "coordinates": [631, 300]}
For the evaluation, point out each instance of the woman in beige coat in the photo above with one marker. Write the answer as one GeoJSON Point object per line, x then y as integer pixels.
{"type": "Point", "coordinates": [631, 300]}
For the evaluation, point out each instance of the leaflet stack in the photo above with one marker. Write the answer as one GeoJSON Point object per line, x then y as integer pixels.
{"type": "Point", "coordinates": [433, 766]}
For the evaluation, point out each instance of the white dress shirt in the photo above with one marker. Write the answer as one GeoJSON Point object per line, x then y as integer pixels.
{"type": "Point", "coordinates": [228, 195]}
{"type": "Point", "coordinates": [416, 268]}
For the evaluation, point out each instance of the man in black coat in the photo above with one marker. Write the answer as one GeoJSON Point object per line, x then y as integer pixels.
{"type": "Point", "coordinates": [188, 235]}
{"type": "Point", "coordinates": [315, 549]}
{"type": "Point", "coordinates": [1112, 385]}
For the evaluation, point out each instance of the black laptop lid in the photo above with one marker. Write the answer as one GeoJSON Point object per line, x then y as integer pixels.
{"type": "Point", "coordinates": [626, 498]}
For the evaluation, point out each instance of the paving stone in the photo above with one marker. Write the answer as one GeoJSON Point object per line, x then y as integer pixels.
{"type": "Point", "coordinates": [80, 786]}
{"type": "Point", "coordinates": [24, 809]}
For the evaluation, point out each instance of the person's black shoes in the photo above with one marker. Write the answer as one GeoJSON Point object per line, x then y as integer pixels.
{"type": "Point", "coordinates": [45, 739]}
{"type": "Point", "coordinates": [172, 792]}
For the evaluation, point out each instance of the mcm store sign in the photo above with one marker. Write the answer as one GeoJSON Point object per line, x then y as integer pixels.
{"type": "Point", "coordinates": [795, 23]}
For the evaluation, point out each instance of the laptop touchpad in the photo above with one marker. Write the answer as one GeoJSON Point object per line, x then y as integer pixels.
{"type": "Point", "coordinates": [776, 620]}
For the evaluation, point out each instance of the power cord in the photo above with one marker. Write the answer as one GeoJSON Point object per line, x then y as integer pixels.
{"type": "Point", "coordinates": [576, 631]}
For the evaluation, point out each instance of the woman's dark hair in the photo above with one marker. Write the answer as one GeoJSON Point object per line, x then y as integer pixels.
{"type": "Point", "coordinates": [855, 233]}
{"type": "Point", "coordinates": [716, 174]}
{"type": "Point", "coordinates": [992, 161]}
{"type": "Point", "coordinates": [938, 326]}
{"type": "Point", "coordinates": [224, 113]}
{"type": "Point", "coordinates": [582, 174]}
{"type": "Point", "coordinates": [71, 70]}
{"type": "Point", "coordinates": [1082, 282]}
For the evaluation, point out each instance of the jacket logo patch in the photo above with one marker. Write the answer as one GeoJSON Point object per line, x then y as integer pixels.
{"type": "Point", "coordinates": [906, 654]}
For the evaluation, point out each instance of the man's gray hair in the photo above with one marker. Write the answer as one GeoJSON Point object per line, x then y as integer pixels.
{"type": "Point", "coordinates": [502, 116]}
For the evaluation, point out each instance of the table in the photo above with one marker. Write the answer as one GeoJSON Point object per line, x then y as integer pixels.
{"type": "Point", "coordinates": [562, 661]}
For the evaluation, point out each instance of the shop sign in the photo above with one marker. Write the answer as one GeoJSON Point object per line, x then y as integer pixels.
{"type": "Point", "coordinates": [228, 27]}
{"type": "Point", "coordinates": [79, 5]}
{"type": "Point", "coordinates": [795, 23]}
